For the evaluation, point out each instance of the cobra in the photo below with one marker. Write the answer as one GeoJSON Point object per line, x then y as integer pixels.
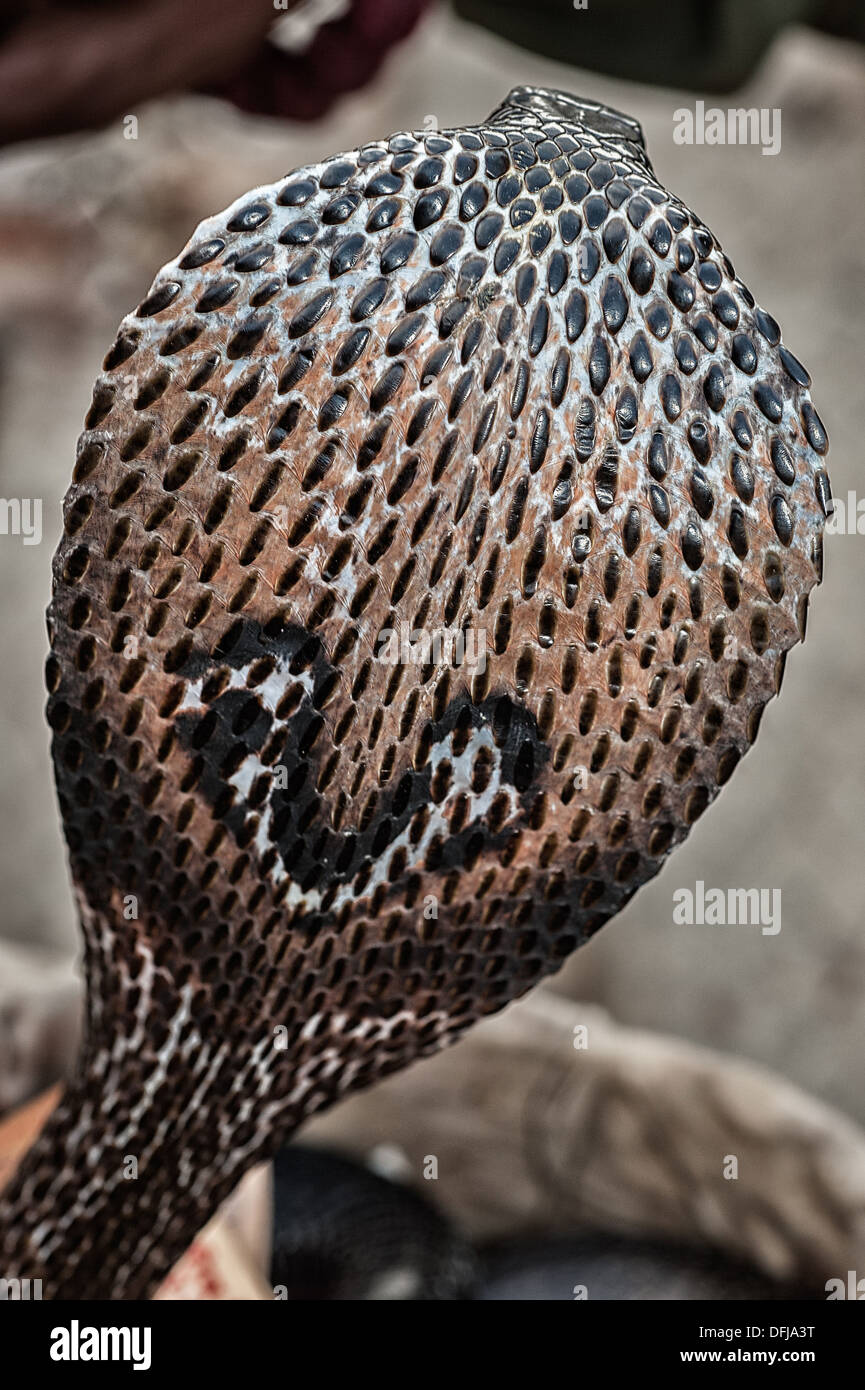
{"type": "Point", "coordinates": [493, 380]}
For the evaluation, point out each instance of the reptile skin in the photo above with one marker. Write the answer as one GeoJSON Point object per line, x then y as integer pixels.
{"type": "Point", "coordinates": [492, 380]}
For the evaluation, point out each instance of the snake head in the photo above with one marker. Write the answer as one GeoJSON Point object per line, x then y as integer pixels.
{"type": "Point", "coordinates": [549, 103]}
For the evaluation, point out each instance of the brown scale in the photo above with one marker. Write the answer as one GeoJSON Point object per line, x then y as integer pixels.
{"type": "Point", "coordinates": [493, 380]}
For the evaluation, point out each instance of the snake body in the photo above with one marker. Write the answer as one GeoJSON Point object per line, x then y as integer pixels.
{"type": "Point", "coordinates": [493, 382]}
{"type": "Point", "coordinates": [343, 1233]}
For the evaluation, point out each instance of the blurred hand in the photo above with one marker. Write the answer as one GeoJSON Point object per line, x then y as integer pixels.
{"type": "Point", "coordinates": [64, 66]}
{"type": "Point", "coordinates": [68, 64]}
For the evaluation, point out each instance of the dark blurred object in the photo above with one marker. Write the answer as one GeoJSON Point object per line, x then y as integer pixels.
{"type": "Point", "coordinates": [603, 1268]}
{"type": "Point", "coordinates": [344, 56]}
{"type": "Point", "coordinates": [66, 66]}
{"type": "Point", "coordinates": [342, 1232]}
{"type": "Point", "coordinates": [702, 45]}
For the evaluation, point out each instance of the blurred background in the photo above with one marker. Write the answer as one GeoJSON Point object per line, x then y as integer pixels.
{"type": "Point", "coordinates": [87, 216]}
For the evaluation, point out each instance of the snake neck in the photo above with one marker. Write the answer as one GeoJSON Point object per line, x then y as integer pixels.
{"type": "Point", "coordinates": [114, 1189]}
{"type": "Point", "coordinates": [180, 1087]}
{"type": "Point", "coordinates": [160, 1119]}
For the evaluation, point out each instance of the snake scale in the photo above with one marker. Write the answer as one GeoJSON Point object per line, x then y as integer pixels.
{"type": "Point", "coordinates": [491, 384]}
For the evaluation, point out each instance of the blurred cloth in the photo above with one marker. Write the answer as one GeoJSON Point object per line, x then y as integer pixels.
{"type": "Point", "coordinates": [552, 1117]}
{"type": "Point", "coordinates": [67, 66]}
{"type": "Point", "coordinates": [701, 45]}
